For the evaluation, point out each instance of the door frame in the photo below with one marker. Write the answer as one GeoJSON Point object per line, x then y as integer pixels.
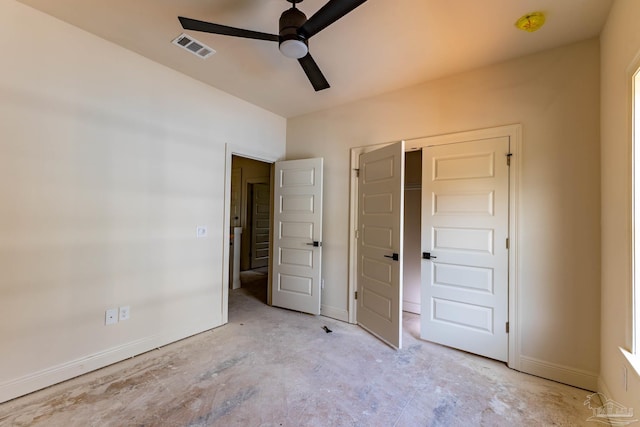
{"type": "Point", "coordinates": [514, 132]}
{"type": "Point", "coordinates": [242, 151]}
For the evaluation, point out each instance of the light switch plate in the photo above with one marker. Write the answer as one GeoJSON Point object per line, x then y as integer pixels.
{"type": "Point", "coordinates": [201, 231]}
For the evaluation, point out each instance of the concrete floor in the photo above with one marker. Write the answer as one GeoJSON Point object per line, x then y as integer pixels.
{"type": "Point", "coordinates": [273, 367]}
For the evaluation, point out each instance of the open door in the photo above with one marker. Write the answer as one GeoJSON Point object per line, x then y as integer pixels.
{"type": "Point", "coordinates": [465, 230]}
{"type": "Point", "coordinates": [380, 235]}
{"type": "Point", "coordinates": [297, 235]}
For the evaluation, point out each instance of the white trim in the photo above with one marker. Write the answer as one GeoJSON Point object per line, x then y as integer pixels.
{"type": "Point", "coordinates": [514, 132]}
{"type": "Point", "coordinates": [515, 190]}
{"type": "Point", "coordinates": [603, 388]}
{"type": "Point", "coordinates": [411, 307]}
{"type": "Point", "coordinates": [634, 137]}
{"type": "Point", "coordinates": [230, 151]}
{"type": "Point", "coordinates": [472, 135]}
{"type": "Point", "coordinates": [334, 312]}
{"type": "Point", "coordinates": [633, 360]}
{"type": "Point", "coordinates": [65, 371]}
{"type": "Point", "coordinates": [563, 374]}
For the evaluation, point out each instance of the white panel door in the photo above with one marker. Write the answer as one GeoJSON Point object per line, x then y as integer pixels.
{"type": "Point", "coordinates": [260, 225]}
{"type": "Point", "coordinates": [380, 213]}
{"type": "Point", "coordinates": [297, 235]}
{"type": "Point", "coordinates": [465, 208]}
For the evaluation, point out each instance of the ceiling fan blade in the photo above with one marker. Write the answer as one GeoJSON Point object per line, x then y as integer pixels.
{"type": "Point", "coordinates": [327, 15]}
{"type": "Point", "coordinates": [313, 72]}
{"type": "Point", "coordinates": [209, 27]}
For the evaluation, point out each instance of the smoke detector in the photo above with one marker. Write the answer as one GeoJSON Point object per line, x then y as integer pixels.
{"type": "Point", "coordinates": [531, 22]}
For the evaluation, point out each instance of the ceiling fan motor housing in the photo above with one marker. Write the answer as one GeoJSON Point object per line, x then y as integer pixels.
{"type": "Point", "coordinates": [290, 21]}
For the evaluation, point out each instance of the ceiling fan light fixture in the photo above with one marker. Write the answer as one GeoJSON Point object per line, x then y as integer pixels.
{"type": "Point", "coordinates": [294, 48]}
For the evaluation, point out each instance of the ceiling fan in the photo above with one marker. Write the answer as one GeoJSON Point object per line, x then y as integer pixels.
{"type": "Point", "coordinates": [295, 32]}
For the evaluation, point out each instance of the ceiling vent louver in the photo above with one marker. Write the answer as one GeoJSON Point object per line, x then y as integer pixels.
{"type": "Point", "coordinates": [192, 45]}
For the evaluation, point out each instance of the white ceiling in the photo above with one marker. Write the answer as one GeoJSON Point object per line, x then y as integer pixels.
{"type": "Point", "coordinates": [380, 46]}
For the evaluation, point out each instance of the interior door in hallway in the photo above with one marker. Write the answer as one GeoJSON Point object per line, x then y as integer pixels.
{"type": "Point", "coordinates": [297, 235]}
{"type": "Point", "coordinates": [260, 220]}
{"type": "Point", "coordinates": [380, 238]}
{"type": "Point", "coordinates": [465, 213]}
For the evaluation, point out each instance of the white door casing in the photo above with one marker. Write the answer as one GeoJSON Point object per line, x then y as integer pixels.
{"type": "Point", "coordinates": [297, 235]}
{"type": "Point", "coordinates": [236, 196]}
{"type": "Point", "coordinates": [465, 226]}
{"type": "Point", "coordinates": [380, 242]}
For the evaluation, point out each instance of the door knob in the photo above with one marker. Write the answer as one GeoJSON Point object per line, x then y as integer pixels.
{"type": "Point", "coordinates": [315, 244]}
{"type": "Point", "coordinates": [427, 255]}
{"type": "Point", "coordinates": [394, 257]}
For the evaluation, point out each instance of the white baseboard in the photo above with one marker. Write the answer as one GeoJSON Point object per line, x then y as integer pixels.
{"type": "Point", "coordinates": [563, 374]}
{"type": "Point", "coordinates": [334, 313]}
{"type": "Point", "coordinates": [602, 388]}
{"type": "Point", "coordinates": [411, 307]}
{"type": "Point", "coordinates": [65, 371]}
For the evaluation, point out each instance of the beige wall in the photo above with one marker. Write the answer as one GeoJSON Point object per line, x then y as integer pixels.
{"type": "Point", "coordinates": [555, 96]}
{"type": "Point", "coordinates": [108, 162]}
{"type": "Point", "coordinates": [620, 45]}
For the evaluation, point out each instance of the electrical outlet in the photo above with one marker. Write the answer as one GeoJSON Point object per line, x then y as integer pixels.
{"type": "Point", "coordinates": [124, 312]}
{"type": "Point", "coordinates": [111, 316]}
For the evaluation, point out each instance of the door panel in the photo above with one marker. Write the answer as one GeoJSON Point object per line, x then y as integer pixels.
{"type": "Point", "coordinates": [464, 228]}
{"type": "Point", "coordinates": [297, 225]}
{"type": "Point", "coordinates": [380, 213]}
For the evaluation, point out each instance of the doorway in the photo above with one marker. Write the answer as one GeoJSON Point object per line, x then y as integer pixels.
{"type": "Point", "coordinates": [297, 186]}
{"type": "Point", "coordinates": [412, 232]}
{"type": "Point", "coordinates": [249, 219]}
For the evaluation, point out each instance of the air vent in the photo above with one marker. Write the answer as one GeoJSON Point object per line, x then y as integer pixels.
{"type": "Point", "coordinates": [194, 46]}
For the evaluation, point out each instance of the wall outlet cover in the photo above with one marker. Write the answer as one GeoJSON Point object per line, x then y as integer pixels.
{"type": "Point", "coordinates": [111, 316]}
{"type": "Point", "coordinates": [201, 231]}
{"type": "Point", "coordinates": [124, 312]}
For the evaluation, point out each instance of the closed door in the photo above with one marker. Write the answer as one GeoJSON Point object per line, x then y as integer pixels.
{"type": "Point", "coordinates": [297, 235]}
{"type": "Point", "coordinates": [465, 211]}
{"type": "Point", "coordinates": [380, 213]}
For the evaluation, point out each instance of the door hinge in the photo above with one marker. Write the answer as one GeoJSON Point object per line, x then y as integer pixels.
{"type": "Point", "coordinates": [508, 155]}
{"type": "Point", "coordinates": [357, 234]}
{"type": "Point", "coordinates": [357, 173]}
{"type": "Point", "coordinates": [507, 327]}
{"type": "Point", "coordinates": [507, 242]}
{"type": "Point", "coordinates": [356, 294]}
